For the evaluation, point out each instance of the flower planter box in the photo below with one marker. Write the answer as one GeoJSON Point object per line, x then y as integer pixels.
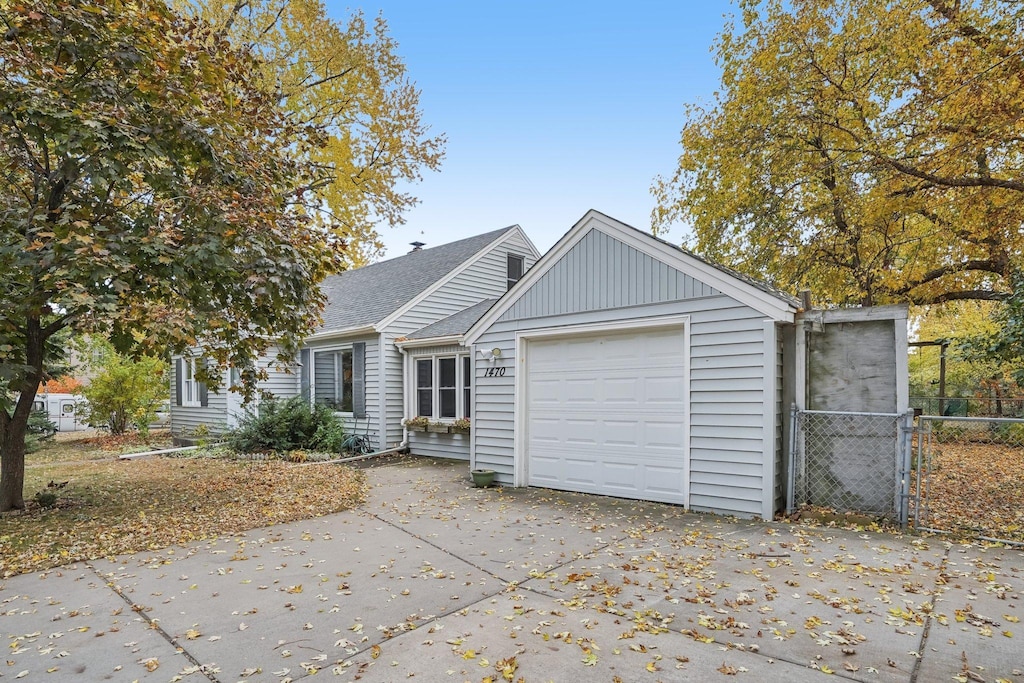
{"type": "Point", "coordinates": [417, 428]}
{"type": "Point", "coordinates": [460, 430]}
{"type": "Point", "coordinates": [438, 429]}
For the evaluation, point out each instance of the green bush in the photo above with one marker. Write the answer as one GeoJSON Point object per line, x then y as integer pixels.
{"type": "Point", "coordinates": [286, 425]}
{"type": "Point", "coordinates": [126, 392]}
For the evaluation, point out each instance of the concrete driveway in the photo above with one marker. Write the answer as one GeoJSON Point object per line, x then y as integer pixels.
{"type": "Point", "coordinates": [432, 580]}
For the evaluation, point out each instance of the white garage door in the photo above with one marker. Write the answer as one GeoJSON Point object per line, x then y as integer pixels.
{"type": "Point", "coordinates": [606, 414]}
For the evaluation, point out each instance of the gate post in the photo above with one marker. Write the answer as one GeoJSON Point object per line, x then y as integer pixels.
{"type": "Point", "coordinates": [794, 438]}
{"type": "Point", "coordinates": [904, 448]}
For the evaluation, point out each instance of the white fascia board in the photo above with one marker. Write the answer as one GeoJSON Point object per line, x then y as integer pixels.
{"type": "Point", "coordinates": [348, 332]}
{"type": "Point", "coordinates": [418, 299]}
{"type": "Point", "coordinates": [430, 341]}
{"type": "Point", "coordinates": [762, 302]}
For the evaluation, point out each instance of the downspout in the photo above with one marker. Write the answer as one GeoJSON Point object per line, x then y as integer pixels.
{"type": "Point", "coordinates": [405, 396]}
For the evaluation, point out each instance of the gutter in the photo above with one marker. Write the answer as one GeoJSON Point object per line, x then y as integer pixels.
{"type": "Point", "coordinates": [350, 332]}
{"type": "Point", "coordinates": [430, 341]}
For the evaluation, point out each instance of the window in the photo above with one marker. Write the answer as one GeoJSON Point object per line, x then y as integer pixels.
{"type": "Point", "coordinates": [332, 379]}
{"type": "Point", "coordinates": [515, 268]}
{"type": "Point", "coordinates": [190, 394]}
{"type": "Point", "coordinates": [443, 387]}
{"type": "Point", "coordinates": [425, 387]}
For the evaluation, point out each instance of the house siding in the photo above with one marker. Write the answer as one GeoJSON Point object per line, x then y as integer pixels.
{"type": "Point", "coordinates": [281, 382]}
{"type": "Point", "coordinates": [486, 278]}
{"type": "Point", "coordinates": [600, 272]}
{"type": "Point", "coordinates": [353, 425]}
{"type": "Point", "coordinates": [185, 420]}
{"type": "Point", "coordinates": [454, 446]}
{"type": "Point", "coordinates": [727, 364]}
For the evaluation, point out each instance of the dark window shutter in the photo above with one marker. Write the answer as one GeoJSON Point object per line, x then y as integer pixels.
{"type": "Point", "coordinates": [359, 379]}
{"type": "Point", "coordinates": [304, 372]}
{"type": "Point", "coordinates": [178, 370]}
{"type": "Point", "coordinates": [203, 399]}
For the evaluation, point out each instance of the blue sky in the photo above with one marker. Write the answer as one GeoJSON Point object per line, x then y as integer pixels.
{"type": "Point", "coordinates": [550, 108]}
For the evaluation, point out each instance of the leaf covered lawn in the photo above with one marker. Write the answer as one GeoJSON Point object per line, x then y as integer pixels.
{"type": "Point", "coordinates": [977, 488]}
{"type": "Point", "coordinates": [109, 506]}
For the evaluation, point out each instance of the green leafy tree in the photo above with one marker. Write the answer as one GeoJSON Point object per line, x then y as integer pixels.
{"type": "Point", "coordinates": [346, 79]}
{"type": "Point", "coordinates": [124, 392]}
{"type": "Point", "coordinates": [873, 152]}
{"type": "Point", "coordinates": [155, 192]}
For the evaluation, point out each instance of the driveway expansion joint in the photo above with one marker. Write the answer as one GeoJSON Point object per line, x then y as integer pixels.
{"type": "Point", "coordinates": [154, 625]}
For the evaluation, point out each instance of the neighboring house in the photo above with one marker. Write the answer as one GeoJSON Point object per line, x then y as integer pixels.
{"type": "Point", "coordinates": [352, 362]}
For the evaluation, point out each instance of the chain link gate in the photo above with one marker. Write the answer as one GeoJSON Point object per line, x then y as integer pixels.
{"type": "Point", "coordinates": [851, 462]}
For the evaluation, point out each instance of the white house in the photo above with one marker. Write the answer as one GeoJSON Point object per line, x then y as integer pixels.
{"type": "Point", "coordinates": [352, 362]}
{"type": "Point", "coordinates": [617, 364]}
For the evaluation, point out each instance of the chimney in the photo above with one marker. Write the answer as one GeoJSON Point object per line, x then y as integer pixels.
{"type": "Point", "coordinates": [417, 246]}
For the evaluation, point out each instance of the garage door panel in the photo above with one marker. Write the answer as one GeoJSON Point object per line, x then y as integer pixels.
{"type": "Point", "coordinates": [606, 414]}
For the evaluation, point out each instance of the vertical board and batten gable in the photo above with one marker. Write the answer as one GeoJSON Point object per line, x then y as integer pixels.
{"type": "Point", "coordinates": [484, 278]}
{"type": "Point", "coordinates": [601, 279]}
{"type": "Point", "coordinates": [600, 272]}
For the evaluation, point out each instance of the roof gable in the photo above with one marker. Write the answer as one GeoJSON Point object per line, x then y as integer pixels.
{"type": "Point", "coordinates": [656, 270]}
{"type": "Point", "coordinates": [367, 296]}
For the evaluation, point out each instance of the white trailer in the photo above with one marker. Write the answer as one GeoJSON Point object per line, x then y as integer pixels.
{"type": "Point", "coordinates": [62, 409]}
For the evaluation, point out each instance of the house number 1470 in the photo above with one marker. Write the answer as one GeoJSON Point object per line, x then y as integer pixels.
{"type": "Point", "coordinates": [495, 372]}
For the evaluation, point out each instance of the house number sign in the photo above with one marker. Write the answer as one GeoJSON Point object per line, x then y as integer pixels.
{"type": "Point", "coordinates": [495, 372]}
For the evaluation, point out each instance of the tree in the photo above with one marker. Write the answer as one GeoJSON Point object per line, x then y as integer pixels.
{"type": "Point", "coordinates": [348, 82]}
{"type": "Point", "coordinates": [155, 192]}
{"type": "Point", "coordinates": [873, 152]}
{"type": "Point", "coordinates": [124, 392]}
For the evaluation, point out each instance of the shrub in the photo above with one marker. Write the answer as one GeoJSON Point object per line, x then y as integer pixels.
{"type": "Point", "coordinates": [126, 392]}
{"type": "Point", "coordinates": [40, 428]}
{"type": "Point", "coordinates": [286, 425]}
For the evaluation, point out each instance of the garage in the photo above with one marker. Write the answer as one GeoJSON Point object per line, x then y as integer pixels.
{"type": "Point", "coordinates": [623, 365]}
{"type": "Point", "coordinates": [606, 413]}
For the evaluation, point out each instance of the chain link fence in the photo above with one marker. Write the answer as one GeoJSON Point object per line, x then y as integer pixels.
{"type": "Point", "coordinates": [968, 477]}
{"type": "Point", "coordinates": [851, 462]}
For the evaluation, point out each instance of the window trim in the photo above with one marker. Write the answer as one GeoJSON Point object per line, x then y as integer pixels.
{"type": "Point", "coordinates": [338, 374]}
{"type": "Point", "coordinates": [462, 408]}
{"type": "Point", "coordinates": [190, 397]}
{"type": "Point", "coordinates": [510, 258]}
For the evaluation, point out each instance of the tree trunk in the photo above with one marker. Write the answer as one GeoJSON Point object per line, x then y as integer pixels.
{"type": "Point", "coordinates": [14, 426]}
{"type": "Point", "coordinates": [12, 463]}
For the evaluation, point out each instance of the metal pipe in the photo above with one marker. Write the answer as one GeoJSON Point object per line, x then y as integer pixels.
{"type": "Point", "coordinates": [998, 420]}
{"type": "Point", "coordinates": [397, 449]}
{"type": "Point", "coordinates": [132, 456]}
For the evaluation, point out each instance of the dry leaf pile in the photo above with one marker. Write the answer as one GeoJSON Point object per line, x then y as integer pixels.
{"type": "Point", "coordinates": [977, 488]}
{"type": "Point", "coordinates": [109, 507]}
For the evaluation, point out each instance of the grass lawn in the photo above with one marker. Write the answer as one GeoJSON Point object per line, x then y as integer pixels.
{"type": "Point", "coordinates": [108, 506]}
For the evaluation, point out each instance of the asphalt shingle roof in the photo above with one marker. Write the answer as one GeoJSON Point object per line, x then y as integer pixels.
{"type": "Point", "coordinates": [367, 295]}
{"type": "Point", "coordinates": [457, 323]}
